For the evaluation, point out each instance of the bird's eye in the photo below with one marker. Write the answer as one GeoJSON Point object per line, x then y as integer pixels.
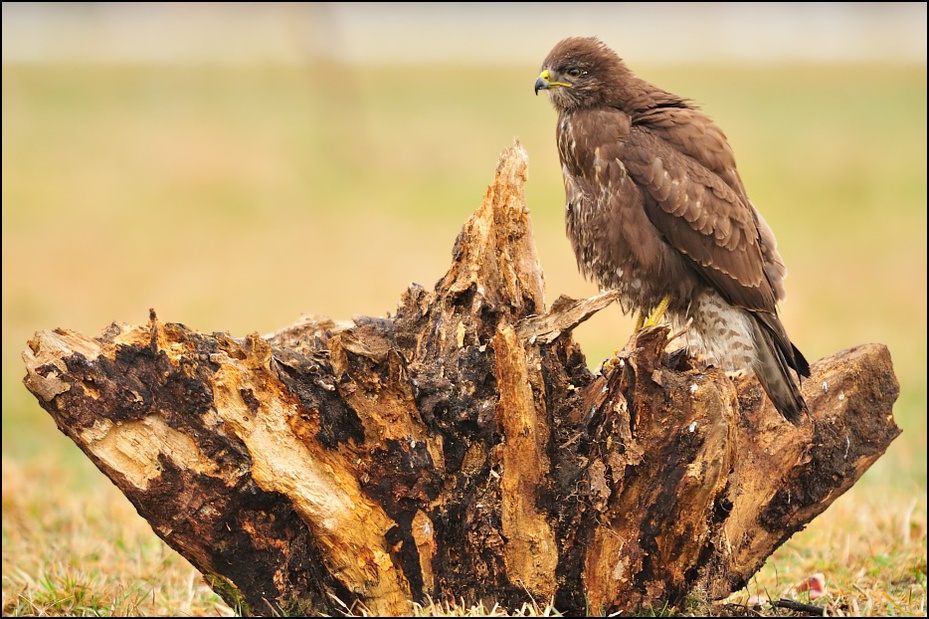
{"type": "Point", "coordinates": [575, 72]}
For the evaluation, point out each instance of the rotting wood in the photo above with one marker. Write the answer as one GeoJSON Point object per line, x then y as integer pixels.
{"type": "Point", "coordinates": [459, 449]}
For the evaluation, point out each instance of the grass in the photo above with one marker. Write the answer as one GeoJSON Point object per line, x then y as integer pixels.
{"type": "Point", "coordinates": [237, 199]}
{"type": "Point", "coordinates": [871, 550]}
{"type": "Point", "coordinates": [73, 546]}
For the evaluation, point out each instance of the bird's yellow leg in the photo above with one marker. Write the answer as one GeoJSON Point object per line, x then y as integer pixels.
{"type": "Point", "coordinates": [640, 323]}
{"type": "Point", "coordinates": [657, 315]}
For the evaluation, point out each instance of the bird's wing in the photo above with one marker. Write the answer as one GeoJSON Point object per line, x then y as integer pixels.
{"type": "Point", "coordinates": [700, 215]}
{"type": "Point", "coordinates": [694, 134]}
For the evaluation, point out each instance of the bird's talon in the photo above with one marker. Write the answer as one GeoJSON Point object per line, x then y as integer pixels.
{"type": "Point", "coordinates": [612, 363]}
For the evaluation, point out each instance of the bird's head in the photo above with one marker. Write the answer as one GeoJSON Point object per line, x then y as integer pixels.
{"type": "Point", "coordinates": [580, 72]}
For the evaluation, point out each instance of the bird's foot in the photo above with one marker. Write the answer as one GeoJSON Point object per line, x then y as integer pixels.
{"type": "Point", "coordinates": [655, 317]}
{"type": "Point", "coordinates": [641, 322]}
{"type": "Point", "coordinates": [611, 364]}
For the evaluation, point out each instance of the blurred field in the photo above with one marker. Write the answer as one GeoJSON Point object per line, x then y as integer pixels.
{"type": "Point", "coordinates": [235, 199]}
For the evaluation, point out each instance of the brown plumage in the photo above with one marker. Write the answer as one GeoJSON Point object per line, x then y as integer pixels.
{"type": "Point", "coordinates": [655, 209]}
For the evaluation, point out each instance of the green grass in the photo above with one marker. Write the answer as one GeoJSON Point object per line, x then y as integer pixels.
{"type": "Point", "coordinates": [237, 199]}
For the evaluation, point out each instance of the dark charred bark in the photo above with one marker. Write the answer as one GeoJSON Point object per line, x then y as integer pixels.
{"type": "Point", "coordinates": [459, 449]}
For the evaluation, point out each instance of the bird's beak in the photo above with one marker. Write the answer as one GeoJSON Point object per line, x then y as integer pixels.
{"type": "Point", "coordinates": [541, 82]}
{"type": "Point", "coordinates": [545, 82]}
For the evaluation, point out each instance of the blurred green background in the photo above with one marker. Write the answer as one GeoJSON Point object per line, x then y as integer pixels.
{"type": "Point", "coordinates": [235, 196]}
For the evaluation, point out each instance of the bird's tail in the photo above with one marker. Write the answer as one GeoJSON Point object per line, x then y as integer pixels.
{"type": "Point", "coordinates": [776, 357]}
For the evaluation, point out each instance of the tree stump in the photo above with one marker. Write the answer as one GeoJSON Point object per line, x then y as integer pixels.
{"type": "Point", "coordinates": [459, 449]}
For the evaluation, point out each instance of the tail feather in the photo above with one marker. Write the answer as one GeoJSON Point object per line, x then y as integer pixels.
{"type": "Point", "coordinates": [776, 356]}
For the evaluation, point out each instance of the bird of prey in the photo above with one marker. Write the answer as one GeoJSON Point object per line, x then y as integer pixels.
{"type": "Point", "coordinates": [656, 210]}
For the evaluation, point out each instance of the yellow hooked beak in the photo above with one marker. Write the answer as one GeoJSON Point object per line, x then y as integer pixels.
{"type": "Point", "coordinates": [544, 82]}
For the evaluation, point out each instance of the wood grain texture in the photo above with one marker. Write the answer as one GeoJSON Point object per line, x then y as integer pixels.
{"type": "Point", "coordinates": [459, 449]}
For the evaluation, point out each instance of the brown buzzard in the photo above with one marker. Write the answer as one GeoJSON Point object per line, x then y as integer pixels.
{"type": "Point", "coordinates": [655, 209]}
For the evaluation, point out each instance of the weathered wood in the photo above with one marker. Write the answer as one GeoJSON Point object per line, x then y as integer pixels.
{"type": "Point", "coordinates": [460, 448]}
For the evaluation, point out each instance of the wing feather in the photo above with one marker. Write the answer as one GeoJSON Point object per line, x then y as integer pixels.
{"type": "Point", "coordinates": [693, 199]}
{"type": "Point", "coordinates": [701, 215]}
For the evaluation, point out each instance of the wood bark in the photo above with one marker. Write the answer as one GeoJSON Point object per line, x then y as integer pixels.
{"type": "Point", "coordinates": [459, 449]}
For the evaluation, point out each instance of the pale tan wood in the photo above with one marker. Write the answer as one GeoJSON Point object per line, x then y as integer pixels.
{"type": "Point", "coordinates": [459, 449]}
